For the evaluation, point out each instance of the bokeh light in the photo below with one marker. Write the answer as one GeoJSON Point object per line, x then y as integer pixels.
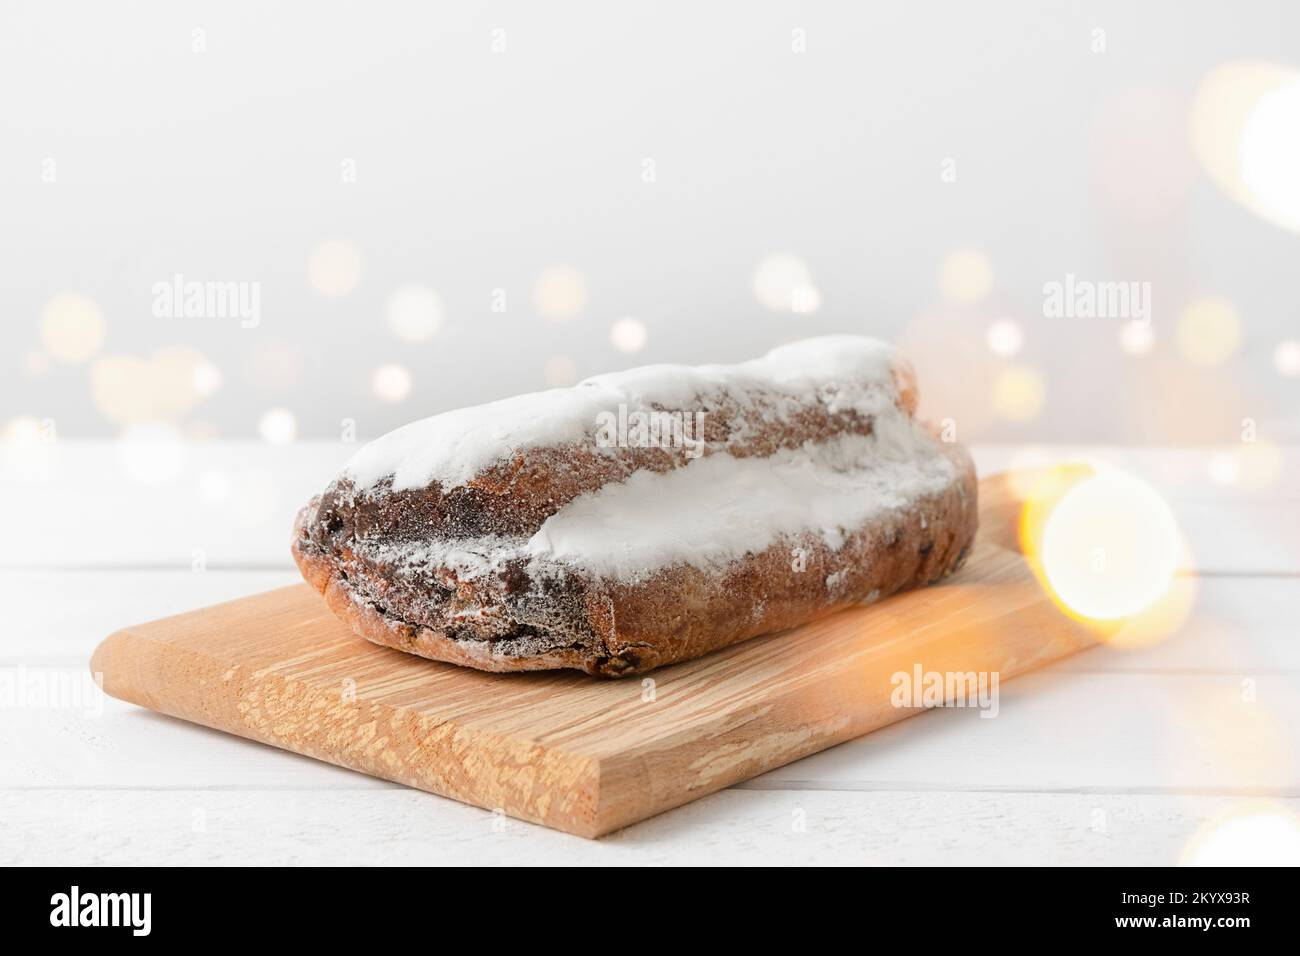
{"type": "Point", "coordinates": [415, 313]}
{"type": "Point", "coordinates": [391, 383]}
{"type": "Point", "coordinates": [1019, 393]}
{"type": "Point", "coordinates": [784, 283]}
{"type": "Point", "coordinates": [965, 276]}
{"type": "Point", "coordinates": [1209, 331]}
{"type": "Point", "coordinates": [128, 389]}
{"type": "Point", "coordinates": [23, 430]}
{"type": "Point", "coordinates": [180, 374]}
{"type": "Point", "coordinates": [1270, 154]}
{"type": "Point", "coordinates": [1025, 465]}
{"type": "Point", "coordinates": [560, 371]}
{"type": "Point", "coordinates": [1255, 833]}
{"type": "Point", "coordinates": [27, 448]}
{"type": "Point", "coordinates": [1224, 468]}
{"type": "Point", "coordinates": [805, 300]}
{"type": "Point", "coordinates": [1286, 358]}
{"type": "Point", "coordinates": [1245, 123]}
{"type": "Point", "coordinates": [206, 378]}
{"type": "Point", "coordinates": [1085, 567]}
{"type": "Point", "coordinates": [1261, 464]}
{"type": "Point", "coordinates": [560, 293]}
{"type": "Point", "coordinates": [628, 334]}
{"type": "Point", "coordinates": [278, 426]}
{"type": "Point", "coordinates": [1110, 547]}
{"type": "Point", "coordinates": [72, 328]}
{"type": "Point", "coordinates": [1137, 337]}
{"type": "Point", "coordinates": [1254, 466]}
{"type": "Point", "coordinates": [335, 267]}
{"type": "Point", "coordinates": [1005, 338]}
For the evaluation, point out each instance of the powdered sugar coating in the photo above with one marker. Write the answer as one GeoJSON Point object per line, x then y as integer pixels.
{"type": "Point", "coordinates": [853, 372]}
{"type": "Point", "coordinates": [710, 513]}
{"type": "Point", "coordinates": [719, 509]}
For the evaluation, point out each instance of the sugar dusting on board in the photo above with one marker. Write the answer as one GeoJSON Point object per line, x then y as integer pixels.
{"type": "Point", "coordinates": [718, 509]}
{"type": "Point", "coordinates": [849, 372]}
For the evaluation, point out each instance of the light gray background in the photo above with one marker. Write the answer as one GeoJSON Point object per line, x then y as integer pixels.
{"type": "Point", "coordinates": [477, 170]}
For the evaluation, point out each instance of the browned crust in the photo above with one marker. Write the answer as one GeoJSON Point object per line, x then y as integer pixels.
{"type": "Point", "coordinates": [366, 621]}
{"type": "Point", "coordinates": [683, 612]}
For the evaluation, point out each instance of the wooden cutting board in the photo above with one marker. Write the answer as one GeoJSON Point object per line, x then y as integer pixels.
{"type": "Point", "coordinates": [583, 754]}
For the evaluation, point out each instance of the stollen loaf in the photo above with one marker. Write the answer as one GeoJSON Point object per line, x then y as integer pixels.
{"type": "Point", "coordinates": [643, 517]}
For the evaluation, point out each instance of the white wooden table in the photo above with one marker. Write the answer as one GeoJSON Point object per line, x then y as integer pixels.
{"type": "Point", "coordinates": [1110, 757]}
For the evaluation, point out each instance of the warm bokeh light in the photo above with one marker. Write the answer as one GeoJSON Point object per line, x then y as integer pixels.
{"type": "Point", "coordinates": [1137, 337]}
{"type": "Point", "coordinates": [335, 267]}
{"type": "Point", "coordinates": [560, 370]}
{"type": "Point", "coordinates": [1261, 464]}
{"type": "Point", "coordinates": [1245, 123]}
{"type": "Point", "coordinates": [278, 426]}
{"type": "Point", "coordinates": [1270, 154]}
{"type": "Point", "coordinates": [1286, 358]}
{"type": "Point", "coordinates": [560, 293]}
{"type": "Point", "coordinates": [414, 313]}
{"type": "Point", "coordinates": [1224, 468]}
{"type": "Point", "coordinates": [27, 448]}
{"type": "Point", "coordinates": [164, 387]}
{"type": "Point", "coordinates": [1005, 338]}
{"type": "Point", "coordinates": [391, 383]}
{"type": "Point", "coordinates": [628, 335]}
{"type": "Point", "coordinates": [23, 430]}
{"type": "Point", "coordinates": [1018, 393]}
{"type": "Point", "coordinates": [72, 328]}
{"type": "Point", "coordinates": [966, 276]}
{"type": "Point", "coordinates": [805, 300]}
{"type": "Point", "coordinates": [206, 378]}
{"type": "Point", "coordinates": [1209, 331]}
{"type": "Point", "coordinates": [1025, 466]}
{"type": "Point", "coordinates": [1256, 833]}
{"type": "Point", "coordinates": [180, 373]}
{"type": "Point", "coordinates": [1253, 466]}
{"type": "Point", "coordinates": [1106, 548]}
{"type": "Point", "coordinates": [784, 283]}
{"type": "Point", "coordinates": [1110, 547]}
